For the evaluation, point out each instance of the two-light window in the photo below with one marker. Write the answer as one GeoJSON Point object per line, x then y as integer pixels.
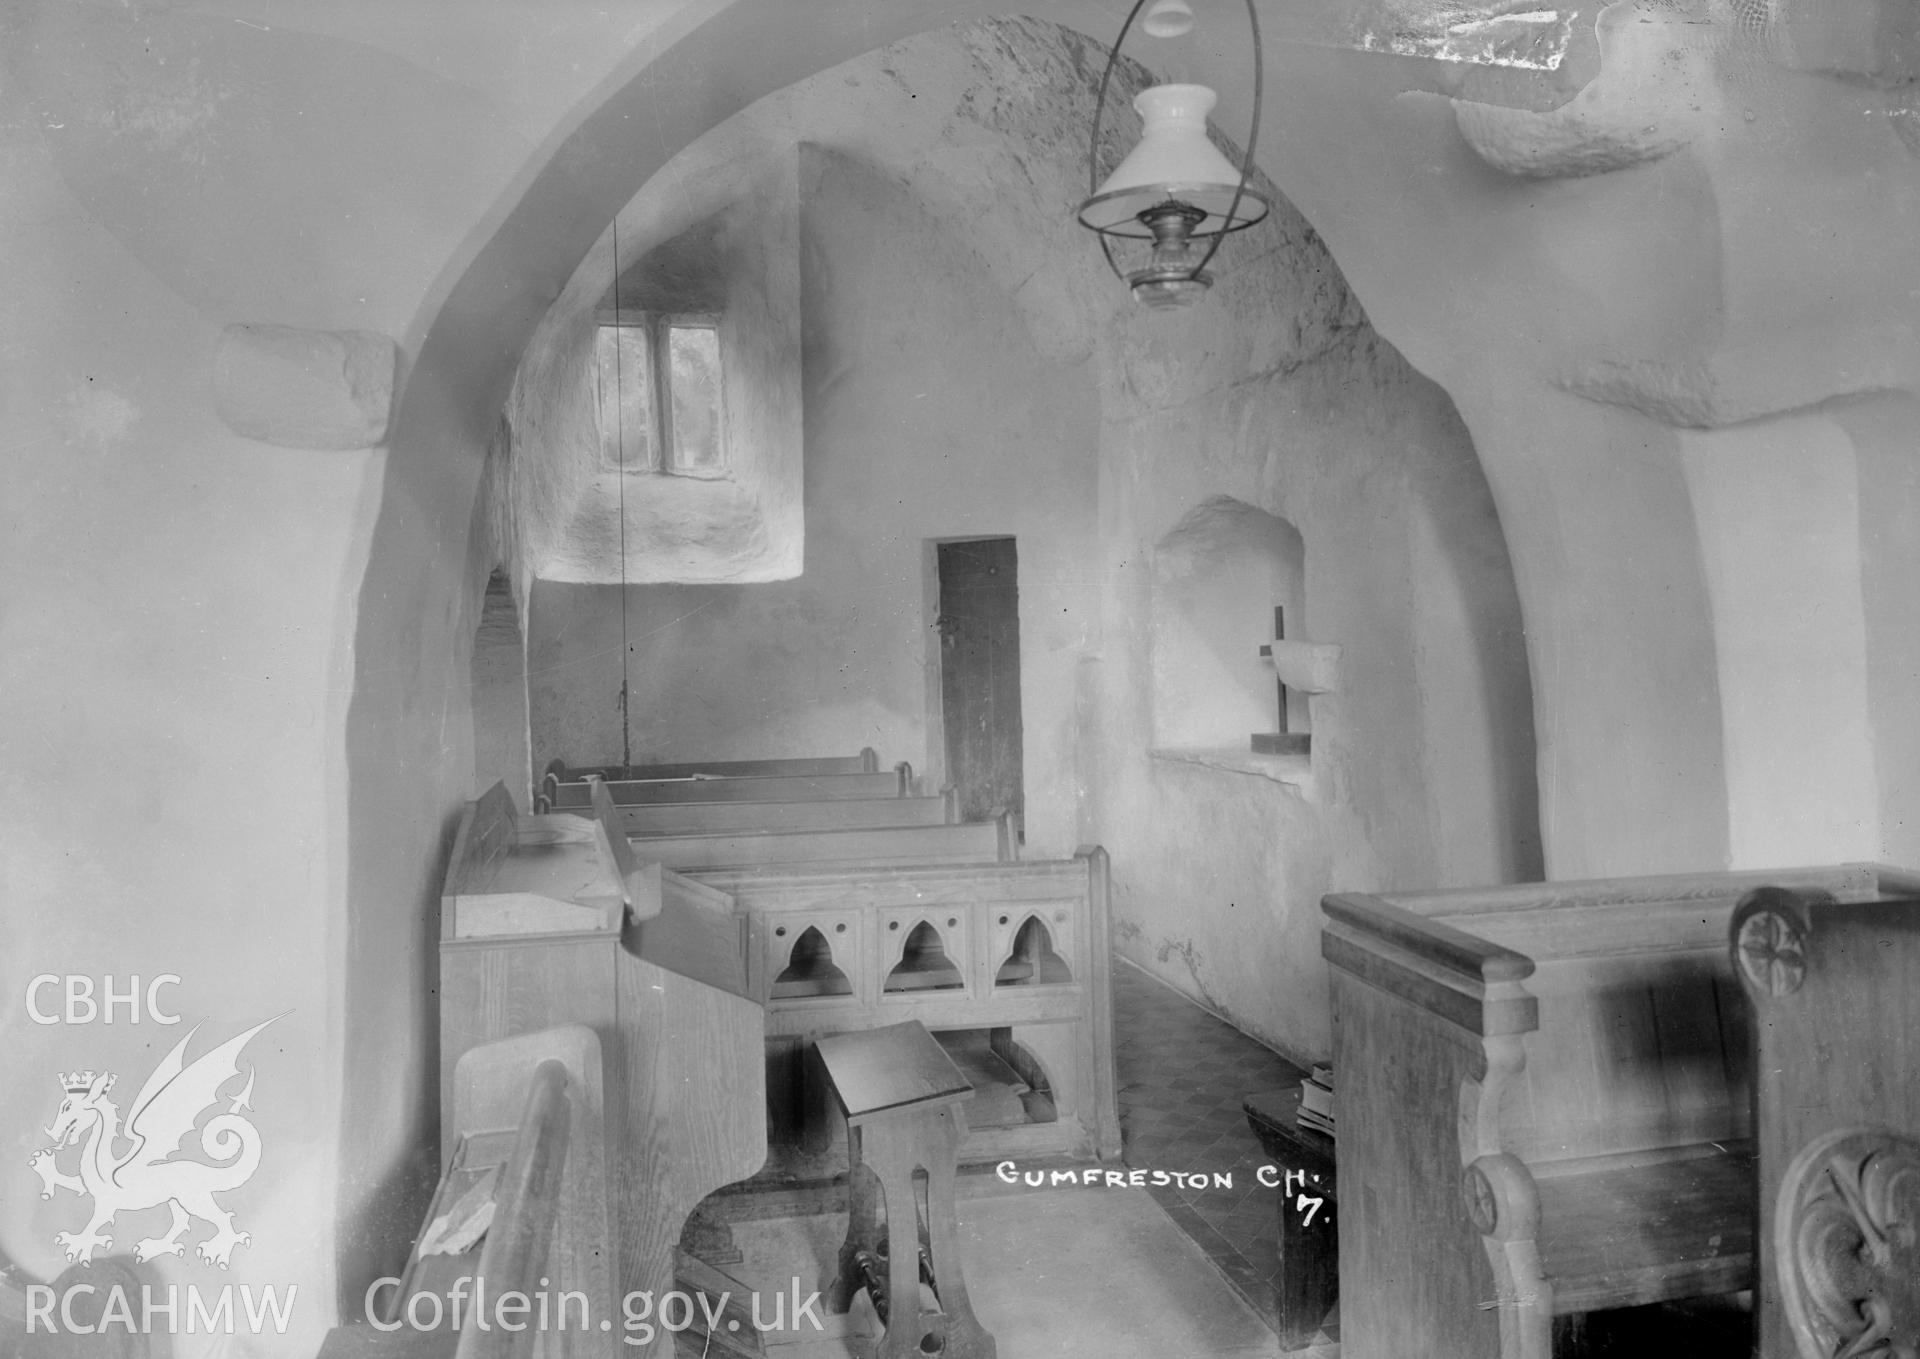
{"type": "Point", "coordinates": [660, 408]}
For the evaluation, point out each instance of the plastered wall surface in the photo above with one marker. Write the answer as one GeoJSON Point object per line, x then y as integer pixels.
{"type": "Point", "coordinates": [145, 693]}
{"type": "Point", "coordinates": [176, 642]}
{"type": "Point", "coordinates": [939, 406]}
{"type": "Point", "coordinates": [1419, 771]}
{"type": "Point", "coordinates": [929, 413]}
{"type": "Point", "coordinates": [170, 171]}
{"type": "Point", "coordinates": [1780, 517]}
{"type": "Point", "coordinates": [1886, 435]}
{"type": "Point", "coordinates": [1582, 324]}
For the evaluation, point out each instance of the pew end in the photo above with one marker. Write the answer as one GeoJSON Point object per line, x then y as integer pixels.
{"type": "Point", "coordinates": [1831, 985]}
{"type": "Point", "coordinates": [1543, 1103]}
{"type": "Point", "coordinates": [662, 986]}
{"type": "Point", "coordinates": [521, 1209]}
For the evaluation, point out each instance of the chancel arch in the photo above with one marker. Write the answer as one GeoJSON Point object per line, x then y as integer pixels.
{"type": "Point", "coordinates": [1102, 413]}
{"type": "Point", "coordinates": [1636, 373]}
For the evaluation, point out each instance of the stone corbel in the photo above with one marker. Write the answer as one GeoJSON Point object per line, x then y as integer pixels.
{"type": "Point", "coordinates": [296, 388]}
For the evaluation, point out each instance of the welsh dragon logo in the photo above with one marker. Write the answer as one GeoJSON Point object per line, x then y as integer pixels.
{"type": "Point", "coordinates": [143, 1175]}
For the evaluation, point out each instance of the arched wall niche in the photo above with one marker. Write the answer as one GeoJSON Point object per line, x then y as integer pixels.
{"type": "Point", "coordinates": [500, 737]}
{"type": "Point", "coordinates": [577, 517]}
{"type": "Point", "coordinates": [1218, 576]}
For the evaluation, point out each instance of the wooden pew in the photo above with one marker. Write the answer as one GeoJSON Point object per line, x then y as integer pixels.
{"type": "Point", "coordinates": [555, 795]}
{"type": "Point", "coordinates": [1018, 950]}
{"type": "Point", "coordinates": [528, 1148]}
{"type": "Point", "coordinates": [866, 762]}
{"type": "Point", "coordinates": [1835, 991]}
{"type": "Point", "coordinates": [722, 818]}
{"type": "Point", "coordinates": [549, 920]}
{"type": "Point", "coordinates": [992, 841]}
{"type": "Point", "coordinates": [1542, 1102]}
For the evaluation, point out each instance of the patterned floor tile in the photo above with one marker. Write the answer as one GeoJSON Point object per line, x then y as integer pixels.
{"type": "Point", "coordinates": [1182, 1074]}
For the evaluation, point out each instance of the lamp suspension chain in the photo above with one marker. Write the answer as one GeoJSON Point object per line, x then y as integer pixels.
{"type": "Point", "coordinates": [620, 475]}
{"type": "Point", "coordinates": [1253, 137]}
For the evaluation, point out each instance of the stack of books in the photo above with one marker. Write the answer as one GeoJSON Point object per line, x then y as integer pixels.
{"type": "Point", "coordinates": [1316, 1100]}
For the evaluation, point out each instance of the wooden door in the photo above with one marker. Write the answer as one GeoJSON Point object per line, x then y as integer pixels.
{"type": "Point", "coordinates": [979, 628]}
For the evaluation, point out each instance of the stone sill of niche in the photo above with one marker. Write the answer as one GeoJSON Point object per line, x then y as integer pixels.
{"type": "Point", "coordinates": [678, 473]}
{"type": "Point", "coordinates": [1294, 770]}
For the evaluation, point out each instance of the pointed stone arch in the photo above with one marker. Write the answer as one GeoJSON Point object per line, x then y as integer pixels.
{"type": "Point", "coordinates": [501, 752]}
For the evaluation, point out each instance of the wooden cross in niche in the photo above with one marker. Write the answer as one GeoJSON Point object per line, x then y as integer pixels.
{"type": "Point", "coordinates": [1280, 741]}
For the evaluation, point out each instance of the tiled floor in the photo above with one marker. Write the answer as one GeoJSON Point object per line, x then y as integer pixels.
{"type": "Point", "coordinates": [1052, 1273]}
{"type": "Point", "coordinates": [1182, 1076]}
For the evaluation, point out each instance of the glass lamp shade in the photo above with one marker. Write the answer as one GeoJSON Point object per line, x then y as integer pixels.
{"type": "Point", "coordinates": [1174, 163]}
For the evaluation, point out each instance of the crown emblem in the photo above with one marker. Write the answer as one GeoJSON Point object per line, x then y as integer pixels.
{"type": "Point", "coordinates": [79, 1082]}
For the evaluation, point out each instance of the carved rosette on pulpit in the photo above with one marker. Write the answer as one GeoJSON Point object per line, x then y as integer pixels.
{"type": "Point", "coordinates": [1847, 1235]}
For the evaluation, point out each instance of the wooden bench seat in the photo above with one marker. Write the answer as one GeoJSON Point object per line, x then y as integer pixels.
{"type": "Point", "coordinates": [554, 796]}
{"type": "Point", "coordinates": [721, 818]}
{"type": "Point", "coordinates": [866, 762]}
{"type": "Point", "coordinates": [1631, 1233]}
{"type": "Point", "coordinates": [969, 842]}
{"type": "Point", "coordinates": [1542, 1094]}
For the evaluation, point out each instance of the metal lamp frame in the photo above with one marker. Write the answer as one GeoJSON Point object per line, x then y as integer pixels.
{"type": "Point", "coordinates": [1198, 271]}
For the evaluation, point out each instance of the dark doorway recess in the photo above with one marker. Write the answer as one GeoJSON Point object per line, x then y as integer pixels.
{"type": "Point", "coordinates": [979, 627]}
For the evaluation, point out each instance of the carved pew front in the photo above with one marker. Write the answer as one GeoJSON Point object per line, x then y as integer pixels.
{"type": "Point", "coordinates": [1835, 990]}
{"type": "Point", "coordinates": [1017, 949]}
{"type": "Point", "coordinates": [1542, 1105]}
